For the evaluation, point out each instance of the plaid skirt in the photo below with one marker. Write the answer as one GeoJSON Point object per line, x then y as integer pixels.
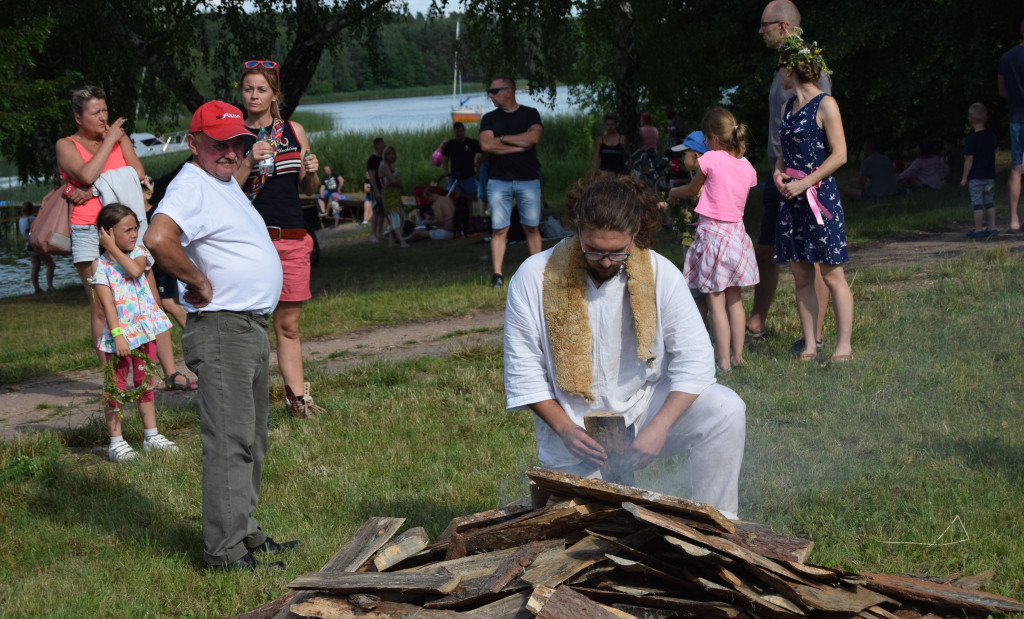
{"type": "Point", "coordinates": [721, 257]}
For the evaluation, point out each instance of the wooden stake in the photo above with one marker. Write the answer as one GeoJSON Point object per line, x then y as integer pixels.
{"type": "Point", "coordinates": [610, 430]}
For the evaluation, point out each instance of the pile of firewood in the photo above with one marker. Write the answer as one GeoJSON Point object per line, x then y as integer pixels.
{"type": "Point", "coordinates": [585, 548]}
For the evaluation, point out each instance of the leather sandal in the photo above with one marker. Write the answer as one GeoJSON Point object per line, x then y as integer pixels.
{"type": "Point", "coordinates": [838, 359]}
{"type": "Point", "coordinates": [190, 385]}
{"type": "Point", "coordinates": [808, 356]}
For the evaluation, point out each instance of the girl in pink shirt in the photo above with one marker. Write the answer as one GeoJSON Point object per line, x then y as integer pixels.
{"type": "Point", "coordinates": [721, 258]}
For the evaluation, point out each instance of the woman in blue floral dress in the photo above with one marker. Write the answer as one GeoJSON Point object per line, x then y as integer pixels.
{"type": "Point", "coordinates": [810, 227]}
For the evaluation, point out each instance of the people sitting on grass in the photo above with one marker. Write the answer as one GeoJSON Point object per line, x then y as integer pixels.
{"type": "Point", "coordinates": [438, 222]}
{"type": "Point", "coordinates": [928, 171]}
{"type": "Point", "coordinates": [878, 178]}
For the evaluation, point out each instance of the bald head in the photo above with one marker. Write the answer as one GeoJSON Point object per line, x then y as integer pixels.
{"type": "Point", "coordinates": [778, 20]}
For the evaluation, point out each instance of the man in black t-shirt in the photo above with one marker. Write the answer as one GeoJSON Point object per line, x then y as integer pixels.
{"type": "Point", "coordinates": [510, 135]}
{"type": "Point", "coordinates": [375, 189]}
{"type": "Point", "coordinates": [460, 161]}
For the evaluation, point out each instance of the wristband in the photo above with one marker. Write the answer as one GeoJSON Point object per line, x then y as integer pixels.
{"type": "Point", "coordinates": [68, 189]}
{"type": "Point", "coordinates": [116, 331]}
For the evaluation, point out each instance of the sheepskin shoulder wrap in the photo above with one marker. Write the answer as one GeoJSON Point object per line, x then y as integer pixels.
{"type": "Point", "coordinates": [568, 321]}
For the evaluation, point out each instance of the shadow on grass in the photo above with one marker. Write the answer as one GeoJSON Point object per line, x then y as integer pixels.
{"type": "Point", "coordinates": [984, 453]}
{"type": "Point", "coordinates": [98, 498]}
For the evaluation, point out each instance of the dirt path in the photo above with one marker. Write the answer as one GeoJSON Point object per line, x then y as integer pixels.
{"type": "Point", "coordinates": [68, 400]}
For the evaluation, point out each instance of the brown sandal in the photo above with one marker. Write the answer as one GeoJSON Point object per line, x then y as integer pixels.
{"type": "Point", "coordinates": [808, 356]}
{"type": "Point", "coordinates": [838, 359]}
{"type": "Point", "coordinates": [302, 405]}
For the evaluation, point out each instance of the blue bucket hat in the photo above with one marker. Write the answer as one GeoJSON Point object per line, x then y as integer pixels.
{"type": "Point", "coordinates": [694, 142]}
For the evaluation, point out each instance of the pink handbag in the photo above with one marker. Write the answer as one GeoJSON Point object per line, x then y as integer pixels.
{"type": "Point", "coordinates": [51, 230]}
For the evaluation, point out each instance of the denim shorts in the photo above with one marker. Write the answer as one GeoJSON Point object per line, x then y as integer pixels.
{"type": "Point", "coordinates": [526, 194]}
{"type": "Point", "coordinates": [85, 243]}
{"type": "Point", "coordinates": [982, 192]}
{"type": "Point", "coordinates": [465, 185]}
{"type": "Point", "coordinates": [1016, 143]}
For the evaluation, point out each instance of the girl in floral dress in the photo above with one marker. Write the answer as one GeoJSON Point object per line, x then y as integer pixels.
{"type": "Point", "coordinates": [133, 321]}
{"type": "Point", "coordinates": [810, 228]}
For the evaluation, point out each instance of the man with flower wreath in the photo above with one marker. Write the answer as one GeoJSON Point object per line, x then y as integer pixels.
{"type": "Point", "coordinates": [206, 234]}
{"type": "Point", "coordinates": [600, 323]}
{"type": "Point", "coordinates": [779, 20]}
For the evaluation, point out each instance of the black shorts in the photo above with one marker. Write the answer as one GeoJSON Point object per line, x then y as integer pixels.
{"type": "Point", "coordinates": [166, 285]}
{"type": "Point", "coordinates": [770, 198]}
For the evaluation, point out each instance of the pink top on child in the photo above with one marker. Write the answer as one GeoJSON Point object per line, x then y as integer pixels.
{"type": "Point", "coordinates": [728, 181]}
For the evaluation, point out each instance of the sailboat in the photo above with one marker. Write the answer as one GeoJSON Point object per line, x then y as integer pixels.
{"type": "Point", "coordinates": [461, 112]}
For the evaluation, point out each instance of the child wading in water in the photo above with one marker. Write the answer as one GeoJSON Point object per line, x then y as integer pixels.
{"type": "Point", "coordinates": [721, 258]}
{"type": "Point", "coordinates": [133, 321]}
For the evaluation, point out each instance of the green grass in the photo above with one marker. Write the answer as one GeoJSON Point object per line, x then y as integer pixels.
{"type": "Point", "coordinates": [924, 427]}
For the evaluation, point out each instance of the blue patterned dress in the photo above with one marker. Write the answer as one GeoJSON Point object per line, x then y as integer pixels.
{"type": "Point", "coordinates": [798, 236]}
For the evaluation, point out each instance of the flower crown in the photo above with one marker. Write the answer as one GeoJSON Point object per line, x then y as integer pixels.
{"type": "Point", "coordinates": [793, 50]}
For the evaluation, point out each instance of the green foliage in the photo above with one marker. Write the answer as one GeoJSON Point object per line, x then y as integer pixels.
{"type": "Point", "coordinates": [29, 457]}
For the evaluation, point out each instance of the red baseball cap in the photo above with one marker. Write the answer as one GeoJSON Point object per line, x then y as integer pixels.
{"type": "Point", "coordinates": [221, 121]}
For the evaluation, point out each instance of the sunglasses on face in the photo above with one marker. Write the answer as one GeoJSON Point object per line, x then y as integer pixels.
{"type": "Point", "coordinates": [495, 91]}
{"type": "Point", "coordinates": [266, 64]}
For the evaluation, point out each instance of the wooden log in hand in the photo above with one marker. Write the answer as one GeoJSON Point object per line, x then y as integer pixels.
{"type": "Point", "coordinates": [610, 430]}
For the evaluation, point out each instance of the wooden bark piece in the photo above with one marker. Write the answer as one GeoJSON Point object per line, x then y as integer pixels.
{"type": "Point", "coordinates": [406, 545]}
{"type": "Point", "coordinates": [611, 432]}
{"type": "Point", "coordinates": [693, 608]}
{"type": "Point", "coordinates": [580, 556]}
{"type": "Point", "coordinates": [374, 533]}
{"type": "Point", "coordinates": [564, 483]}
{"type": "Point", "coordinates": [571, 520]}
{"type": "Point", "coordinates": [509, 607]}
{"type": "Point", "coordinates": [948, 596]}
{"type": "Point", "coordinates": [460, 524]}
{"type": "Point", "coordinates": [484, 564]}
{"type": "Point", "coordinates": [376, 582]}
{"type": "Point", "coordinates": [717, 543]}
{"type": "Point", "coordinates": [564, 603]}
{"type": "Point", "coordinates": [328, 606]}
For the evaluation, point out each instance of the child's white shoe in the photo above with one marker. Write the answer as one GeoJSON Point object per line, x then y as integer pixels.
{"type": "Point", "coordinates": [121, 452]}
{"type": "Point", "coordinates": [159, 443]}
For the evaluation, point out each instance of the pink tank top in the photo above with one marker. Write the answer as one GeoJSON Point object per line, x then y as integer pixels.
{"type": "Point", "coordinates": [85, 214]}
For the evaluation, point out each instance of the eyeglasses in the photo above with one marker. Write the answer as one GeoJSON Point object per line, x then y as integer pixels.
{"type": "Point", "coordinates": [765, 24]}
{"type": "Point", "coordinates": [597, 256]}
{"type": "Point", "coordinates": [266, 64]}
{"type": "Point", "coordinates": [495, 91]}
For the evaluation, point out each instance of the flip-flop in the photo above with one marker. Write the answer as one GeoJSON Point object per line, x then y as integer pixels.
{"type": "Point", "coordinates": [756, 335]}
{"type": "Point", "coordinates": [838, 359]}
{"type": "Point", "coordinates": [190, 385]}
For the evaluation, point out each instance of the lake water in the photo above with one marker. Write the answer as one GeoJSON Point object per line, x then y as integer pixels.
{"type": "Point", "coordinates": [406, 113]}
{"type": "Point", "coordinates": [411, 113]}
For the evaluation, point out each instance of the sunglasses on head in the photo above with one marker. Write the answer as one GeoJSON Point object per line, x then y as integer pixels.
{"type": "Point", "coordinates": [266, 64]}
{"type": "Point", "coordinates": [495, 91]}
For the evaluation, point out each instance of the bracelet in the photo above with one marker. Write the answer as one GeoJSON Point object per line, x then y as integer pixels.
{"type": "Point", "coordinates": [116, 331]}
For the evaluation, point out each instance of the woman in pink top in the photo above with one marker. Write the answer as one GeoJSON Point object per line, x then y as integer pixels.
{"type": "Point", "coordinates": [721, 258]}
{"type": "Point", "coordinates": [92, 150]}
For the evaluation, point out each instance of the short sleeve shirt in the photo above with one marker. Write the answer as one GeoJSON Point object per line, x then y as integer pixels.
{"type": "Point", "coordinates": [516, 166]}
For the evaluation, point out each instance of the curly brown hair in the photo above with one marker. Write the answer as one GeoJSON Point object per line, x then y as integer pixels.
{"type": "Point", "coordinates": [612, 202]}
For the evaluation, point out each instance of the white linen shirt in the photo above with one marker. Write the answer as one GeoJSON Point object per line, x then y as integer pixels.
{"type": "Point", "coordinates": [622, 383]}
{"type": "Point", "coordinates": [224, 236]}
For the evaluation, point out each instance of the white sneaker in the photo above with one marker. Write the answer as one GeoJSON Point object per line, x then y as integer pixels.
{"type": "Point", "coordinates": [121, 452]}
{"type": "Point", "coordinates": [159, 443]}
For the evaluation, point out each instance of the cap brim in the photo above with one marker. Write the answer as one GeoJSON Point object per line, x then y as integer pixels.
{"type": "Point", "coordinates": [222, 134]}
{"type": "Point", "coordinates": [678, 148]}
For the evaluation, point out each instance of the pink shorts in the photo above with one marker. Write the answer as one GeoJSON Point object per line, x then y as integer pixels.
{"type": "Point", "coordinates": [138, 371]}
{"type": "Point", "coordinates": [295, 255]}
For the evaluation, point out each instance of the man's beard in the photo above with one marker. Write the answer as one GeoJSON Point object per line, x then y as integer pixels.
{"type": "Point", "coordinates": [601, 276]}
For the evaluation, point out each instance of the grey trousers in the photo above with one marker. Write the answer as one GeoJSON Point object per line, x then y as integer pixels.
{"type": "Point", "coordinates": [713, 432]}
{"type": "Point", "coordinates": [230, 354]}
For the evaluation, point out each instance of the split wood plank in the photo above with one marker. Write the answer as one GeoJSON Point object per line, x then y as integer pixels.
{"type": "Point", "coordinates": [947, 596]}
{"type": "Point", "coordinates": [756, 599]}
{"type": "Point", "coordinates": [551, 525]}
{"type": "Point", "coordinates": [269, 609]}
{"type": "Point", "coordinates": [717, 543]}
{"type": "Point", "coordinates": [629, 565]}
{"type": "Point", "coordinates": [494, 585]}
{"type": "Point", "coordinates": [404, 546]}
{"type": "Point", "coordinates": [564, 603]}
{"type": "Point", "coordinates": [509, 607]}
{"type": "Point", "coordinates": [694, 607]}
{"type": "Point", "coordinates": [841, 599]}
{"type": "Point", "coordinates": [374, 533]}
{"type": "Point", "coordinates": [321, 605]}
{"type": "Point", "coordinates": [376, 582]}
{"type": "Point", "coordinates": [611, 432]}
{"type": "Point", "coordinates": [484, 564]}
{"type": "Point", "coordinates": [460, 524]}
{"type": "Point", "coordinates": [572, 561]}
{"type": "Point", "coordinates": [565, 483]}
{"type": "Point", "coordinates": [760, 539]}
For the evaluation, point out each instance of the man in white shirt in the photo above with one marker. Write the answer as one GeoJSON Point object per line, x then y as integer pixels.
{"type": "Point", "coordinates": [207, 235]}
{"type": "Point", "coordinates": [599, 323]}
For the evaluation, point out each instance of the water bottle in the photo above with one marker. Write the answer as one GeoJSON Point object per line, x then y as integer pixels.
{"type": "Point", "coordinates": [265, 166]}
